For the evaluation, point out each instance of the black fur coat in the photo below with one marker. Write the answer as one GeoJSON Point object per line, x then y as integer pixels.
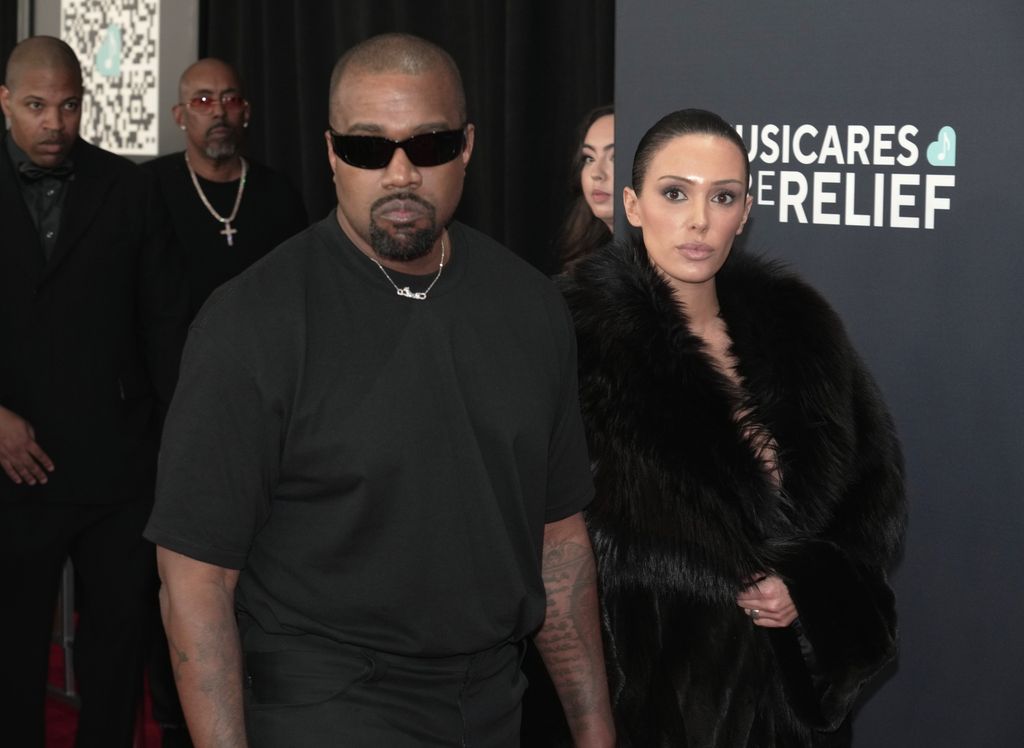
{"type": "Point", "coordinates": [685, 511]}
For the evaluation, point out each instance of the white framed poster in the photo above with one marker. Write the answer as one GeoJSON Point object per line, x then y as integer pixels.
{"type": "Point", "coordinates": [131, 52]}
{"type": "Point", "coordinates": [118, 44]}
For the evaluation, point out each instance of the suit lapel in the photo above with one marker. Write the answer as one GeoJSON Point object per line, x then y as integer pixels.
{"type": "Point", "coordinates": [20, 236]}
{"type": "Point", "coordinates": [86, 193]}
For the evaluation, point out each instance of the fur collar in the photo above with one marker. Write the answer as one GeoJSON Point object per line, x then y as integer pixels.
{"type": "Point", "coordinates": [682, 501]}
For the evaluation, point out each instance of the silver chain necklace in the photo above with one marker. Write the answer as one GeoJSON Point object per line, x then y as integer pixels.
{"type": "Point", "coordinates": [227, 231]}
{"type": "Point", "coordinates": [404, 291]}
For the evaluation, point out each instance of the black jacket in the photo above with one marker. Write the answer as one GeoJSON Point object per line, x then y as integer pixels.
{"type": "Point", "coordinates": [91, 340]}
{"type": "Point", "coordinates": [684, 511]}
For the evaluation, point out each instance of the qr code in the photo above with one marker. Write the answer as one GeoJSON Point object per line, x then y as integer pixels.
{"type": "Point", "coordinates": [117, 42]}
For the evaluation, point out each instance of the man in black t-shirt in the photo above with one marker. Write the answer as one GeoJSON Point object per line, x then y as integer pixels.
{"type": "Point", "coordinates": [227, 211]}
{"type": "Point", "coordinates": [373, 471]}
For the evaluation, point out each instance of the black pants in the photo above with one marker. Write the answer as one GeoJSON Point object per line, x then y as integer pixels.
{"type": "Point", "coordinates": [356, 697]}
{"type": "Point", "coordinates": [114, 572]}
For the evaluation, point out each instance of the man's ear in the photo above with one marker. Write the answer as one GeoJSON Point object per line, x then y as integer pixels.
{"type": "Point", "coordinates": [470, 137]}
{"type": "Point", "coordinates": [331, 155]}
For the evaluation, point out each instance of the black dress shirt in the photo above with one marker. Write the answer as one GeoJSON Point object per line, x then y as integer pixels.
{"type": "Point", "coordinates": [44, 191]}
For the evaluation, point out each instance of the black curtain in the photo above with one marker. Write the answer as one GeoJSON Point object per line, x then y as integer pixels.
{"type": "Point", "coordinates": [531, 69]}
{"type": "Point", "coordinates": [8, 36]}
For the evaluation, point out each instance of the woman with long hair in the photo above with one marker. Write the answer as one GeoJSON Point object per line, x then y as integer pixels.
{"type": "Point", "coordinates": [590, 220]}
{"type": "Point", "coordinates": [749, 482]}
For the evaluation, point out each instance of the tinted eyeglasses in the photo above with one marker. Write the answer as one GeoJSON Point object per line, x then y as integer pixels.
{"type": "Point", "coordinates": [203, 104]}
{"type": "Point", "coordinates": [375, 152]}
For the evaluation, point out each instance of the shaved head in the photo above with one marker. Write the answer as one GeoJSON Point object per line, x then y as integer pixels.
{"type": "Point", "coordinates": [201, 68]}
{"type": "Point", "coordinates": [398, 53]}
{"type": "Point", "coordinates": [42, 99]}
{"type": "Point", "coordinates": [41, 52]}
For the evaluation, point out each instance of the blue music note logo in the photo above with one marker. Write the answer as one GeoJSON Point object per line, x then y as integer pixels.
{"type": "Point", "coordinates": [942, 152]}
{"type": "Point", "coordinates": [108, 56]}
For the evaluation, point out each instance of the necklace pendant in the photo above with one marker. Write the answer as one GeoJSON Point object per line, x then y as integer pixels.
{"type": "Point", "coordinates": [409, 294]}
{"type": "Point", "coordinates": [229, 232]}
{"type": "Point", "coordinates": [405, 291]}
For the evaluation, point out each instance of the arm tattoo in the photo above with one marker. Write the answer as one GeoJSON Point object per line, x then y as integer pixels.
{"type": "Point", "coordinates": [570, 641]}
{"type": "Point", "coordinates": [207, 670]}
{"type": "Point", "coordinates": [180, 657]}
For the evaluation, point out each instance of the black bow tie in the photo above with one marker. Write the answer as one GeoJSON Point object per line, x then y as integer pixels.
{"type": "Point", "coordinates": [31, 172]}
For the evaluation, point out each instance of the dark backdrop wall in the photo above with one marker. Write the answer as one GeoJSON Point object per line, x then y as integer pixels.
{"type": "Point", "coordinates": [8, 32]}
{"type": "Point", "coordinates": [888, 152]}
{"type": "Point", "coordinates": [531, 70]}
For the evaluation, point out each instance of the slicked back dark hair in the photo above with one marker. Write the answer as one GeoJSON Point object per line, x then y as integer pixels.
{"type": "Point", "coordinates": [683, 122]}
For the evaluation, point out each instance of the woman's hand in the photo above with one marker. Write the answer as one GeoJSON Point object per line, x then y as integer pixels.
{"type": "Point", "coordinates": [767, 602]}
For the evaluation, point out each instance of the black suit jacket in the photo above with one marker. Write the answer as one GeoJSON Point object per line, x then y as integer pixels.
{"type": "Point", "coordinates": [89, 343]}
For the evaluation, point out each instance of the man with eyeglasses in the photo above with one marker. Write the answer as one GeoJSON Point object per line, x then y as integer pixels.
{"type": "Point", "coordinates": [226, 209]}
{"type": "Point", "coordinates": [92, 318]}
{"type": "Point", "coordinates": [374, 468]}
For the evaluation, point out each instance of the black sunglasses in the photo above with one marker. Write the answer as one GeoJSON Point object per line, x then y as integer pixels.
{"type": "Point", "coordinates": [375, 152]}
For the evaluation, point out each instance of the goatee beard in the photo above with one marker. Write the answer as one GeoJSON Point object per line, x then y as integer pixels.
{"type": "Point", "coordinates": [220, 151]}
{"type": "Point", "coordinates": [412, 243]}
{"type": "Point", "coordinates": [225, 147]}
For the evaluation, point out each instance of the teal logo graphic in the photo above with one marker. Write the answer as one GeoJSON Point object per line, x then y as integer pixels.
{"type": "Point", "coordinates": [108, 56]}
{"type": "Point", "coordinates": [942, 152]}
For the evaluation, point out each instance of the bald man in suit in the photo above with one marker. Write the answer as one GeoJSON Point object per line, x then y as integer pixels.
{"type": "Point", "coordinates": [92, 316]}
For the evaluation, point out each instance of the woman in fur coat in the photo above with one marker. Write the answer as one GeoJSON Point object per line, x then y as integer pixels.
{"type": "Point", "coordinates": [749, 483]}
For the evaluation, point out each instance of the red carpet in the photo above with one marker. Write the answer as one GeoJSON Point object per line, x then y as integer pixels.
{"type": "Point", "coordinates": [62, 717]}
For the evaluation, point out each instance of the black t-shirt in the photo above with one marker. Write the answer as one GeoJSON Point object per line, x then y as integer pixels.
{"type": "Point", "coordinates": [379, 468]}
{"type": "Point", "coordinates": [270, 212]}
